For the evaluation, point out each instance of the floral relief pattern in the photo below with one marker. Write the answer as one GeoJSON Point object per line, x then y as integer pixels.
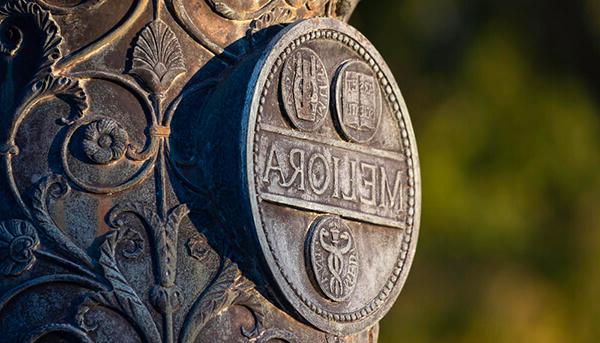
{"type": "Point", "coordinates": [105, 141]}
{"type": "Point", "coordinates": [157, 57]}
{"type": "Point", "coordinates": [156, 60]}
{"type": "Point", "coordinates": [18, 240]}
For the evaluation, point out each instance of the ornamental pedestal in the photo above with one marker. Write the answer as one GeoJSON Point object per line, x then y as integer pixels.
{"type": "Point", "coordinates": [199, 171]}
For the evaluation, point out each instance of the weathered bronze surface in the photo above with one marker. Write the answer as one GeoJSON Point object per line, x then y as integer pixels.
{"type": "Point", "coordinates": [199, 170]}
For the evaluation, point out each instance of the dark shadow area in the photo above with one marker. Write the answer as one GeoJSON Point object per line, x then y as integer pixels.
{"type": "Point", "coordinates": [205, 159]}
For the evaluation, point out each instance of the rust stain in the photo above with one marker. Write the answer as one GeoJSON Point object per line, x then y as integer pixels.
{"type": "Point", "coordinates": [104, 206]}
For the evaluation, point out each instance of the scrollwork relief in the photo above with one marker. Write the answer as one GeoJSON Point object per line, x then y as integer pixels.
{"type": "Point", "coordinates": [67, 331]}
{"type": "Point", "coordinates": [32, 25]}
{"type": "Point", "coordinates": [18, 240]}
{"type": "Point", "coordinates": [62, 7]}
{"type": "Point", "coordinates": [55, 187]}
{"type": "Point", "coordinates": [43, 247]}
{"type": "Point", "coordinates": [134, 244]}
{"type": "Point", "coordinates": [271, 335]}
{"type": "Point", "coordinates": [112, 135]}
{"type": "Point", "coordinates": [41, 82]}
{"type": "Point", "coordinates": [106, 40]}
{"type": "Point", "coordinates": [228, 11]}
{"type": "Point", "coordinates": [181, 15]}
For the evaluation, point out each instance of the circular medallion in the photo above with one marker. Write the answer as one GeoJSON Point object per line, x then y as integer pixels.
{"type": "Point", "coordinates": [357, 101]}
{"type": "Point", "coordinates": [333, 257]}
{"type": "Point", "coordinates": [305, 89]}
{"type": "Point", "coordinates": [336, 205]}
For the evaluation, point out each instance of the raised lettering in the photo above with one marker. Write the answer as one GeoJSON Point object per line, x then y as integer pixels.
{"type": "Point", "coordinates": [273, 167]}
{"type": "Point", "coordinates": [319, 183]}
{"type": "Point", "coordinates": [391, 194]}
{"type": "Point", "coordinates": [336, 177]}
{"type": "Point", "coordinates": [333, 179]}
{"type": "Point", "coordinates": [352, 196]}
{"type": "Point", "coordinates": [369, 183]}
{"type": "Point", "coordinates": [298, 169]}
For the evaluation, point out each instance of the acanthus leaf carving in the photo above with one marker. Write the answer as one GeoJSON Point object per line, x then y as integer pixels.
{"type": "Point", "coordinates": [13, 38]}
{"type": "Point", "coordinates": [122, 298]}
{"type": "Point", "coordinates": [55, 186]}
{"type": "Point", "coordinates": [164, 233]}
{"type": "Point", "coordinates": [168, 241]}
{"type": "Point", "coordinates": [66, 89]}
{"type": "Point", "coordinates": [43, 22]}
{"type": "Point", "coordinates": [227, 289]}
{"type": "Point", "coordinates": [157, 57]}
{"type": "Point", "coordinates": [157, 62]}
{"type": "Point", "coordinates": [166, 296]}
{"type": "Point", "coordinates": [29, 88]}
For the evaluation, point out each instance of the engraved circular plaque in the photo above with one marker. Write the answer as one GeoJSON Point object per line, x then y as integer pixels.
{"type": "Point", "coordinates": [333, 257]}
{"type": "Point", "coordinates": [357, 101]}
{"type": "Point", "coordinates": [305, 89]}
{"type": "Point", "coordinates": [334, 188]}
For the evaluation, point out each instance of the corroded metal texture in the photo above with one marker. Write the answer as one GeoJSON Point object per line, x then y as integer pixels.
{"type": "Point", "coordinates": [199, 170]}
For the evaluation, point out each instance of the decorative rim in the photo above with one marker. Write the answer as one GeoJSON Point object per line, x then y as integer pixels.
{"type": "Point", "coordinates": [329, 30]}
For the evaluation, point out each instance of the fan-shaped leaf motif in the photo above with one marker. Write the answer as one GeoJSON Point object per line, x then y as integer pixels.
{"type": "Point", "coordinates": [157, 57]}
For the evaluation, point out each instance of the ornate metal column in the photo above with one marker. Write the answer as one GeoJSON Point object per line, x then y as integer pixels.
{"type": "Point", "coordinates": [199, 171]}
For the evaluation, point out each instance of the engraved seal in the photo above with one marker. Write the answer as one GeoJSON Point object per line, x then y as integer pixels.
{"type": "Point", "coordinates": [305, 89]}
{"type": "Point", "coordinates": [357, 101]}
{"type": "Point", "coordinates": [362, 175]}
{"type": "Point", "coordinates": [333, 257]}
{"type": "Point", "coordinates": [336, 215]}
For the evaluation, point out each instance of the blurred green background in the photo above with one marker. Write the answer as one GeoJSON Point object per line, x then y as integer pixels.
{"type": "Point", "coordinates": [505, 102]}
